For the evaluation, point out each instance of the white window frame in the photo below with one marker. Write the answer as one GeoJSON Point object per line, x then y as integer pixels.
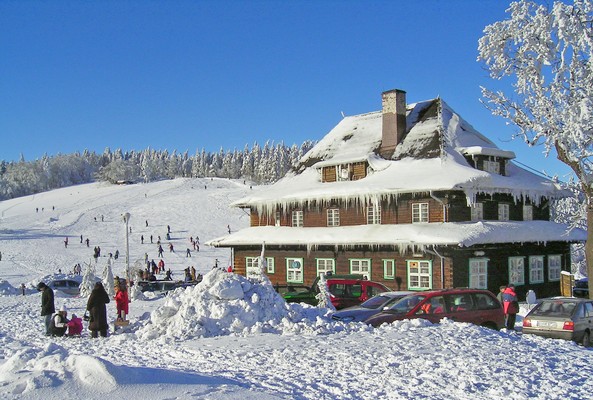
{"type": "Point", "coordinates": [527, 212]}
{"type": "Point", "coordinates": [297, 218]}
{"type": "Point", "coordinates": [536, 269]}
{"type": "Point", "coordinates": [503, 211]}
{"type": "Point", "coordinates": [492, 166]}
{"type": "Point", "coordinates": [374, 215]}
{"type": "Point", "coordinates": [361, 266]}
{"type": "Point", "coordinates": [419, 274]}
{"type": "Point", "coordinates": [419, 213]}
{"type": "Point", "coordinates": [270, 268]}
{"type": "Point", "coordinates": [478, 273]}
{"type": "Point", "coordinates": [342, 173]}
{"type": "Point", "coordinates": [517, 270]}
{"type": "Point", "coordinates": [252, 266]}
{"type": "Point", "coordinates": [294, 273]}
{"type": "Point", "coordinates": [333, 217]}
{"type": "Point", "coordinates": [277, 218]}
{"type": "Point", "coordinates": [477, 210]}
{"type": "Point", "coordinates": [325, 265]}
{"type": "Point", "coordinates": [389, 269]}
{"type": "Point", "coordinates": [554, 267]}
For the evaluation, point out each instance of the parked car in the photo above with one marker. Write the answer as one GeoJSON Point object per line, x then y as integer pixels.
{"type": "Point", "coordinates": [68, 286]}
{"type": "Point", "coordinates": [370, 307]}
{"type": "Point", "coordinates": [297, 294]}
{"type": "Point", "coordinates": [345, 291]}
{"type": "Point", "coordinates": [477, 306]}
{"type": "Point", "coordinates": [561, 318]}
{"type": "Point", "coordinates": [162, 285]}
{"type": "Point", "coordinates": [581, 288]}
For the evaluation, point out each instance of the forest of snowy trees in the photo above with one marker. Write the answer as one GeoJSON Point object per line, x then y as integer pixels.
{"type": "Point", "coordinates": [258, 164]}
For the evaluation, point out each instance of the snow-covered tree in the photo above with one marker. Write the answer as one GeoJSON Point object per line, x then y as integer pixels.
{"type": "Point", "coordinates": [323, 297]}
{"type": "Point", "coordinates": [88, 280]}
{"type": "Point", "coordinates": [107, 278]}
{"type": "Point", "coordinates": [546, 51]}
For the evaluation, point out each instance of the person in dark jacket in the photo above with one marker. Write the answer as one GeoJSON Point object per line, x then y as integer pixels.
{"type": "Point", "coordinates": [47, 304]}
{"type": "Point", "coordinates": [59, 323]}
{"type": "Point", "coordinates": [98, 311]}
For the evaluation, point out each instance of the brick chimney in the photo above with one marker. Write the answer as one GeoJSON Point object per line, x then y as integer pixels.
{"type": "Point", "coordinates": [394, 121]}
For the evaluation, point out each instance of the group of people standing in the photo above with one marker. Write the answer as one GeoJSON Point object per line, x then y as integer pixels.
{"type": "Point", "coordinates": [58, 324]}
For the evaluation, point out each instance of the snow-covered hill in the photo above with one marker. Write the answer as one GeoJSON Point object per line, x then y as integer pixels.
{"type": "Point", "coordinates": [228, 337]}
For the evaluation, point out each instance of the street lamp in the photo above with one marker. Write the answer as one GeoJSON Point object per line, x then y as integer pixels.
{"type": "Point", "coordinates": [127, 220]}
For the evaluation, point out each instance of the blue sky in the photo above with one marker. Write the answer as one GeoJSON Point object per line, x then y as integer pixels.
{"type": "Point", "coordinates": [188, 75]}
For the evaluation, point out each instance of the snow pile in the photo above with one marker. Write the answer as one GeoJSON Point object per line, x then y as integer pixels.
{"type": "Point", "coordinates": [229, 304]}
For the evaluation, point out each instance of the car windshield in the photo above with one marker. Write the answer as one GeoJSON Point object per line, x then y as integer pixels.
{"type": "Point", "coordinates": [554, 308]}
{"type": "Point", "coordinates": [375, 302]}
{"type": "Point", "coordinates": [407, 303]}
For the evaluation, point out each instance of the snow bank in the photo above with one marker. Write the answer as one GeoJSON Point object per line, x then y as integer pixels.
{"type": "Point", "coordinates": [229, 304]}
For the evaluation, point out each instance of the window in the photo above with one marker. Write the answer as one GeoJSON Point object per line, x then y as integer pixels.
{"type": "Point", "coordinates": [374, 215]}
{"type": "Point", "coordinates": [343, 172]}
{"type": "Point", "coordinates": [277, 219]}
{"type": "Point", "coordinates": [294, 270]}
{"type": "Point", "coordinates": [536, 269]}
{"type": "Point", "coordinates": [297, 219]}
{"type": "Point", "coordinates": [492, 166]}
{"type": "Point", "coordinates": [503, 212]}
{"type": "Point", "coordinates": [478, 273]}
{"type": "Point", "coordinates": [554, 267]}
{"type": "Point", "coordinates": [361, 266]}
{"type": "Point", "coordinates": [333, 217]}
{"type": "Point", "coordinates": [477, 212]}
{"type": "Point", "coordinates": [389, 269]}
{"type": "Point", "coordinates": [325, 265]}
{"type": "Point", "coordinates": [252, 267]}
{"type": "Point", "coordinates": [419, 212]}
{"type": "Point", "coordinates": [527, 213]}
{"type": "Point", "coordinates": [419, 275]}
{"type": "Point", "coordinates": [517, 270]}
{"type": "Point", "coordinates": [270, 265]}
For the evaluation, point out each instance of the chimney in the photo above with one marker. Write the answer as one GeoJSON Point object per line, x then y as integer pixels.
{"type": "Point", "coordinates": [394, 121]}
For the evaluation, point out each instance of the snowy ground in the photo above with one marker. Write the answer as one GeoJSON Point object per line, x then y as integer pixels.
{"type": "Point", "coordinates": [229, 338]}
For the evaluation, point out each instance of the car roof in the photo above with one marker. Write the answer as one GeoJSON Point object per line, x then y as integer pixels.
{"type": "Point", "coordinates": [451, 291]}
{"type": "Point", "coordinates": [561, 298]}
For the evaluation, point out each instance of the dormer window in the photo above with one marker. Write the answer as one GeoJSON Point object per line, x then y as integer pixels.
{"type": "Point", "coordinates": [343, 173]}
{"type": "Point", "coordinates": [492, 166]}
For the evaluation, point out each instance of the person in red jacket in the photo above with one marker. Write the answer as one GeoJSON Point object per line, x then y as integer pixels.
{"type": "Point", "coordinates": [74, 326]}
{"type": "Point", "coordinates": [121, 302]}
{"type": "Point", "coordinates": [511, 306]}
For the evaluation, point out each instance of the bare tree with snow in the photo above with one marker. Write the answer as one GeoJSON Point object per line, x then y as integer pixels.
{"type": "Point", "coordinates": [546, 51]}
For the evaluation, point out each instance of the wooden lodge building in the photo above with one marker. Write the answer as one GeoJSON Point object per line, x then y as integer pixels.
{"type": "Point", "coordinates": [411, 196]}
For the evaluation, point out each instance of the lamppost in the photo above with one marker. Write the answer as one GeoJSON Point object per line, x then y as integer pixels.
{"type": "Point", "coordinates": [127, 220]}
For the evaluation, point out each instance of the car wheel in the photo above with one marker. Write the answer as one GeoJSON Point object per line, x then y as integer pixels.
{"type": "Point", "coordinates": [586, 342]}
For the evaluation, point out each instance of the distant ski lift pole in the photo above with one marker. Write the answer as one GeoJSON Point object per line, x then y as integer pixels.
{"type": "Point", "coordinates": [127, 221]}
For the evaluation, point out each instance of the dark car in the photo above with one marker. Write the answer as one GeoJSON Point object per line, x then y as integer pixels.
{"type": "Point", "coordinates": [561, 318]}
{"type": "Point", "coordinates": [369, 308]}
{"type": "Point", "coordinates": [162, 286]}
{"type": "Point", "coordinates": [476, 306]}
{"type": "Point", "coordinates": [345, 291]}
{"type": "Point", "coordinates": [581, 288]}
{"type": "Point", "coordinates": [297, 294]}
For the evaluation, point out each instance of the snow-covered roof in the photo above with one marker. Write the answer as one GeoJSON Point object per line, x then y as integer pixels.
{"type": "Point", "coordinates": [431, 157]}
{"type": "Point", "coordinates": [406, 236]}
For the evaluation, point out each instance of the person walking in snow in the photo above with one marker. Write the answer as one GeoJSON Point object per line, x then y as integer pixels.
{"type": "Point", "coordinates": [168, 229]}
{"type": "Point", "coordinates": [98, 311]}
{"type": "Point", "coordinates": [160, 250]}
{"type": "Point", "coordinates": [511, 306]}
{"type": "Point", "coordinates": [161, 266]}
{"type": "Point", "coordinates": [47, 304]}
{"type": "Point", "coordinates": [147, 223]}
{"type": "Point", "coordinates": [87, 242]}
{"type": "Point", "coordinates": [80, 239]}
{"type": "Point", "coordinates": [142, 239]}
{"type": "Point", "coordinates": [171, 248]}
{"type": "Point", "coordinates": [150, 239]}
{"type": "Point", "coordinates": [66, 242]}
{"type": "Point", "coordinates": [187, 252]}
{"type": "Point", "coordinates": [116, 254]}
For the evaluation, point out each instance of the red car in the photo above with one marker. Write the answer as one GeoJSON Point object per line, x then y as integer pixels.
{"type": "Point", "coordinates": [477, 306]}
{"type": "Point", "coordinates": [351, 292]}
